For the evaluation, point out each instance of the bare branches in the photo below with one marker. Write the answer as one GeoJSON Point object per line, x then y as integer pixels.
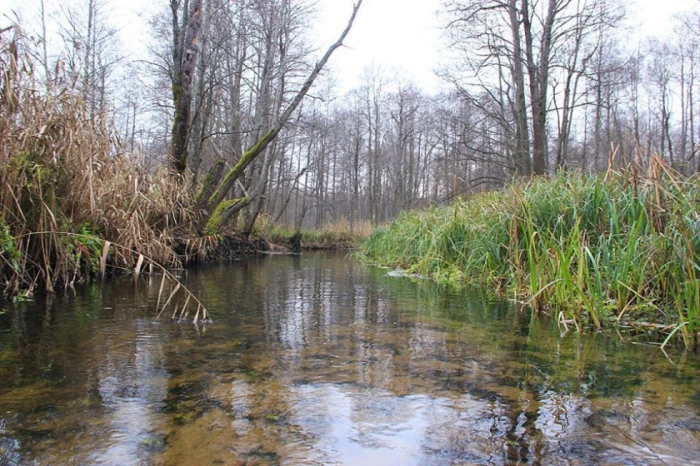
{"type": "Point", "coordinates": [259, 147]}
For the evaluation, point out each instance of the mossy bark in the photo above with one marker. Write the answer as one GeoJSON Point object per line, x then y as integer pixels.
{"type": "Point", "coordinates": [227, 183]}
{"type": "Point", "coordinates": [178, 151]}
{"type": "Point", "coordinates": [183, 79]}
{"type": "Point", "coordinates": [223, 213]}
{"type": "Point", "coordinates": [210, 183]}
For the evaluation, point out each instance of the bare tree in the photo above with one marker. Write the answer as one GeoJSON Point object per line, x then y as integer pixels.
{"type": "Point", "coordinates": [661, 72]}
{"type": "Point", "coordinates": [90, 49]}
{"type": "Point", "coordinates": [220, 211]}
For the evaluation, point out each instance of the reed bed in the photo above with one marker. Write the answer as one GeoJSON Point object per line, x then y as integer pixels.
{"type": "Point", "coordinates": [70, 200]}
{"type": "Point", "coordinates": [618, 248]}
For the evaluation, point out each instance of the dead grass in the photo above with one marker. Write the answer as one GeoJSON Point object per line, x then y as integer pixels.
{"type": "Point", "coordinates": [66, 189]}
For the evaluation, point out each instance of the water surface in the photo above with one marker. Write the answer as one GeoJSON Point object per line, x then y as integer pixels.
{"type": "Point", "coordinates": [320, 360]}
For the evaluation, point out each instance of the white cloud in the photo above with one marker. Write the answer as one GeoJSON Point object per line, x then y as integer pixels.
{"type": "Point", "coordinates": [653, 17]}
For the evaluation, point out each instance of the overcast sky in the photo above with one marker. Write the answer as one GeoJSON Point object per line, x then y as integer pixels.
{"type": "Point", "coordinates": [400, 36]}
{"type": "Point", "coordinates": [405, 35]}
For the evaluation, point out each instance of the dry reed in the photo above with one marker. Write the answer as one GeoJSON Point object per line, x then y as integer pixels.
{"type": "Point", "coordinates": [67, 192]}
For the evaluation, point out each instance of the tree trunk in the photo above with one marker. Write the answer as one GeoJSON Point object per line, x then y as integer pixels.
{"type": "Point", "coordinates": [522, 139]}
{"type": "Point", "coordinates": [219, 211]}
{"type": "Point", "coordinates": [185, 60]}
{"type": "Point", "coordinates": [539, 81]}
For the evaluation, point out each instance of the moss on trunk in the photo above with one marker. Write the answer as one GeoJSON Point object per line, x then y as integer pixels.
{"type": "Point", "coordinates": [218, 218]}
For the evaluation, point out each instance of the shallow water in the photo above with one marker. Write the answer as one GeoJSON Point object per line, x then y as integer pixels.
{"type": "Point", "coordinates": [320, 360]}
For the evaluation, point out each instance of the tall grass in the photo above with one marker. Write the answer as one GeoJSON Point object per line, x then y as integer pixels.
{"type": "Point", "coordinates": [618, 247]}
{"type": "Point", "coordinates": [66, 191]}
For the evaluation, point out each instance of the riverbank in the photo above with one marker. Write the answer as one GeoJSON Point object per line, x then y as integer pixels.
{"type": "Point", "coordinates": [339, 235]}
{"type": "Point", "coordinates": [76, 204]}
{"type": "Point", "coordinates": [233, 244]}
{"type": "Point", "coordinates": [615, 249]}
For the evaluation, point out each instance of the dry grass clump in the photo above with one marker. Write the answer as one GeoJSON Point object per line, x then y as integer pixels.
{"type": "Point", "coordinates": [342, 228]}
{"type": "Point", "coordinates": [65, 189]}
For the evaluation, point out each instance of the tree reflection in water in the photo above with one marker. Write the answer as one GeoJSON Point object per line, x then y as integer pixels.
{"type": "Point", "coordinates": [318, 359]}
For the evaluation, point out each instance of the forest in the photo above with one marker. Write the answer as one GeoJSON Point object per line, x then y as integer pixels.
{"type": "Point", "coordinates": [534, 87]}
{"type": "Point", "coordinates": [233, 126]}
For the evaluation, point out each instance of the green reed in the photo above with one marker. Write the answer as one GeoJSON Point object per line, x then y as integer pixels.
{"type": "Point", "coordinates": [613, 248]}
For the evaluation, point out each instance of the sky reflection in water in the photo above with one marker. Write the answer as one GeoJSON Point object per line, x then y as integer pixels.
{"type": "Point", "coordinates": [321, 360]}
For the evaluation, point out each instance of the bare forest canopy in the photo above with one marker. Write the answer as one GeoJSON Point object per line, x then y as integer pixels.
{"type": "Point", "coordinates": [531, 87]}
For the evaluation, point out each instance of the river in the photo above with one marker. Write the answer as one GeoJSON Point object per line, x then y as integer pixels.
{"type": "Point", "coordinates": [321, 360]}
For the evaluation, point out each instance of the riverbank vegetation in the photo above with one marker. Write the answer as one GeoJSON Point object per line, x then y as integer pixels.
{"type": "Point", "coordinates": [64, 190]}
{"type": "Point", "coordinates": [202, 140]}
{"type": "Point", "coordinates": [601, 249]}
{"type": "Point", "coordinates": [71, 205]}
{"type": "Point", "coordinates": [74, 197]}
{"type": "Point", "coordinates": [337, 235]}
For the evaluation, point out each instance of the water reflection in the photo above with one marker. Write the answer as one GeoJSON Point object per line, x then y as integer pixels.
{"type": "Point", "coordinates": [132, 386]}
{"type": "Point", "coordinates": [319, 360]}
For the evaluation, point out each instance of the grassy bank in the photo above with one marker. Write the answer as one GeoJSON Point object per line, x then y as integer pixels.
{"type": "Point", "coordinates": [592, 249]}
{"type": "Point", "coordinates": [338, 235]}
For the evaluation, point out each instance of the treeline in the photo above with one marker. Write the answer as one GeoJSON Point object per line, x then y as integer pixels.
{"type": "Point", "coordinates": [532, 87]}
{"type": "Point", "coordinates": [535, 86]}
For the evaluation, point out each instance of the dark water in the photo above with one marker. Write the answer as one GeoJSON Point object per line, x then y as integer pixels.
{"type": "Point", "coordinates": [319, 360]}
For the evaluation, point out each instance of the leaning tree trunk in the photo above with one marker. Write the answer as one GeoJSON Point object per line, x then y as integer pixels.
{"type": "Point", "coordinates": [221, 210]}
